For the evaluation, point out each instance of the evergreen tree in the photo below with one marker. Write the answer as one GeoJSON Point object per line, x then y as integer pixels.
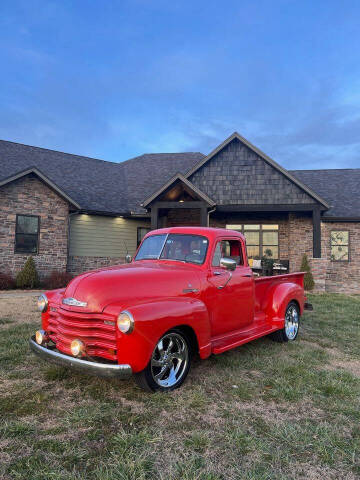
{"type": "Point", "coordinates": [28, 276]}
{"type": "Point", "coordinates": [308, 277]}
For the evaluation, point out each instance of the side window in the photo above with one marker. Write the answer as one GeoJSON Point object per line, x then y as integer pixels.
{"type": "Point", "coordinates": [217, 255]}
{"type": "Point", "coordinates": [339, 246]}
{"type": "Point", "coordinates": [228, 249]}
{"type": "Point", "coordinates": [27, 234]}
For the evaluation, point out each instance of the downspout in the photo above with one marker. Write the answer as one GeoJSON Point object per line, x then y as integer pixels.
{"type": "Point", "coordinates": [210, 211]}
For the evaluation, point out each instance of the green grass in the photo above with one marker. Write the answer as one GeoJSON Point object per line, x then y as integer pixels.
{"type": "Point", "coordinates": [262, 411]}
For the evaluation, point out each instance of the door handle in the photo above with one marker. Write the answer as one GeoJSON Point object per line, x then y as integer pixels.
{"type": "Point", "coordinates": [218, 273]}
{"type": "Point", "coordinates": [247, 275]}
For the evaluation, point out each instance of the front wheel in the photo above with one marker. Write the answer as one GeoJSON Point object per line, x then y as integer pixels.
{"type": "Point", "coordinates": [169, 364]}
{"type": "Point", "coordinates": [291, 328]}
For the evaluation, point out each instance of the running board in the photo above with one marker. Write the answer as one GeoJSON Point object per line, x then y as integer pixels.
{"type": "Point", "coordinates": [221, 345]}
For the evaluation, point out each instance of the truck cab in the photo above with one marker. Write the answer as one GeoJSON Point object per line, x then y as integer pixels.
{"type": "Point", "coordinates": [188, 290]}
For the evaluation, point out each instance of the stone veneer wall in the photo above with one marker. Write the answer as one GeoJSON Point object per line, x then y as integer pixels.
{"type": "Point", "coordinates": [177, 217]}
{"type": "Point", "coordinates": [342, 277]}
{"type": "Point", "coordinates": [30, 196]}
{"type": "Point", "coordinates": [77, 265]}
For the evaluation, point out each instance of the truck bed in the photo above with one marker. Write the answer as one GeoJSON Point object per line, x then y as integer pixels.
{"type": "Point", "coordinates": [264, 284]}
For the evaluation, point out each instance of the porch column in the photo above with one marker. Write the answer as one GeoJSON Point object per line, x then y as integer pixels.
{"type": "Point", "coordinates": [316, 233]}
{"type": "Point", "coordinates": [154, 217]}
{"type": "Point", "coordinates": [204, 217]}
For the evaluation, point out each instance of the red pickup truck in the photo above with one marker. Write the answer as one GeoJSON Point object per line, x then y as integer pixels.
{"type": "Point", "coordinates": [188, 290]}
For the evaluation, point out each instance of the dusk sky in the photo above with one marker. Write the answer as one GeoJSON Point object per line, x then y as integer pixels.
{"type": "Point", "coordinates": [114, 79]}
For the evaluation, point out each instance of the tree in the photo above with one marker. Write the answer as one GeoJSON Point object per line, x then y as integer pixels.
{"type": "Point", "coordinates": [28, 276]}
{"type": "Point", "coordinates": [308, 277]}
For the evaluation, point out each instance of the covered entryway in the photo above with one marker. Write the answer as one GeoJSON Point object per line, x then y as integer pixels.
{"type": "Point", "coordinates": [179, 203]}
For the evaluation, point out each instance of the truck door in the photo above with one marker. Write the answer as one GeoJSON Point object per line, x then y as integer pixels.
{"type": "Point", "coordinates": [230, 301]}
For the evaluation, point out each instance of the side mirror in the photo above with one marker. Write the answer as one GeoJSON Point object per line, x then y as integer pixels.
{"type": "Point", "coordinates": [128, 258]}
{"type": "Point", "coordinates": [228, 263]}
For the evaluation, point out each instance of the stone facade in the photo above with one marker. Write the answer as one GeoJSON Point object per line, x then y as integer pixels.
{"type": "Point", "coordinates": [179, 217]}
{"type": "Point", "coordinates": [77, 265]}
{"type": "Point", "coordinates": [30, 196]}
{"type": "Point", "coordinates": [342, 277]}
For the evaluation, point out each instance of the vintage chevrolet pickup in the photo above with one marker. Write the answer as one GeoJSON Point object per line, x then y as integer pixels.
{"type": "Point", "coordinates": [188, 290]}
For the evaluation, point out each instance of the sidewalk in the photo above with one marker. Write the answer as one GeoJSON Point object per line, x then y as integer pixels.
{"type": "Point", "coordinates": [19, 293]}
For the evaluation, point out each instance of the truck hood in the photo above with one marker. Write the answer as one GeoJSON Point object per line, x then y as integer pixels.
{"type": "Point", "coordinates": [131, 284]}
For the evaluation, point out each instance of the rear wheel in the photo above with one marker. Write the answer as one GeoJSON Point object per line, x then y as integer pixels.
{"type": "Point", "coordinates": [291, 327]}
{"type": "Point", "coordinates": [169, 363]}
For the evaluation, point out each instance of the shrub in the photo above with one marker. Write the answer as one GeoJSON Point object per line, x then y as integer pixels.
{"type": "Point", "coordinates": [28, 277]}
{"type": "Point", "coordinates": [7, 282]}
{"type": "Point", "coordinates": [308, 277]}
{"type": "Point", "coordinates": [267, 262]}
{"type": "Point", "coordinates": [57, 279]}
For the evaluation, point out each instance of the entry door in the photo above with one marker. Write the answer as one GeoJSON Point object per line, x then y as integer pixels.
{"type": "Point", "coordinates": [230, 300]}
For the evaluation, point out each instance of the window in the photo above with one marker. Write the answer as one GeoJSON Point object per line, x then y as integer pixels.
{"type": "Point", "coordinates": [261, 239]}
{"type": "Point", "coordinates": [228, 249]}
{"type": "Point", "coordinates": [339, 246]}
{"type": "Point", "coordinates": [174, 246]}
{"type": "Point", "coordinates": [27, 234]}
{"type": "Point", "coordinates": [141, 232]}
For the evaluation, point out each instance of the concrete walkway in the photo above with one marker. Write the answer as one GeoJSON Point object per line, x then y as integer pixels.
{"type": "Point", "coordinates": [15, 293]}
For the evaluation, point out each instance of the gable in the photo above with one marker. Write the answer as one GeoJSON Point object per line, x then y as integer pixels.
{"type": "Point", "coordinates": [237, 175]}
{"type": "Point", "coordinates": [178, 189]}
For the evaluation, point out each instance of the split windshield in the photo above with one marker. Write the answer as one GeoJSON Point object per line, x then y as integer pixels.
{"type": "Point", "coordinates": [174, 246]}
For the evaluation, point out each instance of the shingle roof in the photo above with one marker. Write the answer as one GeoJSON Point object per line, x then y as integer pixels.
{"type": "Point", "coordinates": [97, 185]}
{"type": "Point", "coordinates": [339, 187]}
{"type": "Point", "coordinates": [108, 187]}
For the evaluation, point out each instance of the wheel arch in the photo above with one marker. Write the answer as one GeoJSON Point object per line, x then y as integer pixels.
{"type": "Point", "coordinates": [279, 298]}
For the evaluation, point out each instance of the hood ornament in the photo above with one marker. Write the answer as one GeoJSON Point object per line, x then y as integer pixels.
{"type": "Point", "coordinates": [73, 302]}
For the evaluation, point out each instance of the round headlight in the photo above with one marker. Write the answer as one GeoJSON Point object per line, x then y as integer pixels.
{"type": "Point", "coordinates": [125, 322]}
{"type": "Point", "coordinates": [43, 303]}
{"type": "Point", "coordinates": [77, 348]}
{"type": "Point", "coordinates": [41, 337]}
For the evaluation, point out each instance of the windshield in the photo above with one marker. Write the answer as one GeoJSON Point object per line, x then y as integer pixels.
{"type": "Point", "coordinates": [174, 246]}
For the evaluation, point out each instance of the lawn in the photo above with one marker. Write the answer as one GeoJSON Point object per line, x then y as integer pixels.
{"type": "Point", "coordinates": [262, 411]}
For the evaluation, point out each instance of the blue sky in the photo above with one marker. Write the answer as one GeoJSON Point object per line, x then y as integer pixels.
{"type": "Point", "coordinates": [114, 79]}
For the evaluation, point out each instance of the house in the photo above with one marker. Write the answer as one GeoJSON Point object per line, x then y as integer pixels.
{"type": "Point", "coordinates": [77, 213]}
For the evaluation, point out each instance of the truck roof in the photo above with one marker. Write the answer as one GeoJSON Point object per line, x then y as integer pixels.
{"type": "Point", "coordinates": [208, 232]}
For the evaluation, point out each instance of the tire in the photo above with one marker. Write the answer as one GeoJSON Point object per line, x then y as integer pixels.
{"type": "Point", "coordinates": [291, 328]}
{"type": "Point", "coordinates": [169, 363]}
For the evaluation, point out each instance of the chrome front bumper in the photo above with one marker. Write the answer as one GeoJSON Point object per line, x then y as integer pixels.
{"type": "Point", "coordinates": [90, 368]}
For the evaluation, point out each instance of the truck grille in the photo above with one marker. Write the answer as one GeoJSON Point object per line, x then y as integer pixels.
{"type": "Point", "coordinates": [99, 337]}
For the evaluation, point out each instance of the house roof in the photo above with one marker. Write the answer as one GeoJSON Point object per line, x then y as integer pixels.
{"type": "Point", "coordinates": [339, 187]}
{"type": "Point", "coordinates": [96, 185]}
{"type": "Point", "coordinates": [119, 188]}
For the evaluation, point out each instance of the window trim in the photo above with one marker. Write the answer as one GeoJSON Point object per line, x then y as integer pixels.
{"type": "Point", "coordinates": [32, 234]}
{"type": "Point", "coordinates": [260, 230]}
{"type": "Point", "coordinates": [348, 245]}
{"type": "Point", "coordinates": [137, 235]}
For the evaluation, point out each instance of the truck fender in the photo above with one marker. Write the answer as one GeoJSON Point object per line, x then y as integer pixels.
{"type": "Point", "coordinates": [152, 320]}
{"type": "Point", "coordinates": [279, 297]}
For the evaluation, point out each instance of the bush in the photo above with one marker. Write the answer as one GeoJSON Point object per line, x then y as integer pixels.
{"type": "Point", "coordinates": [7, 282]}
{"type": "Point", "coordinates": [308, 277]}
{"type": "Point", "coordinates": [57, 279]}
{"type": "Point", "coordinates": [28, 277]}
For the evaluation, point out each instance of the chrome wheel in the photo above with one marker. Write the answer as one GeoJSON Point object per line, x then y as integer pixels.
{"type": "Point", "coordinates": [169, 360]}
{"type": "Point", "coordinates": [291, 322]}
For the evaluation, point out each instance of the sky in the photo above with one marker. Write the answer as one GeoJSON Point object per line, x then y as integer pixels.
{"type": "Point", "coordinates": [115, 79]}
